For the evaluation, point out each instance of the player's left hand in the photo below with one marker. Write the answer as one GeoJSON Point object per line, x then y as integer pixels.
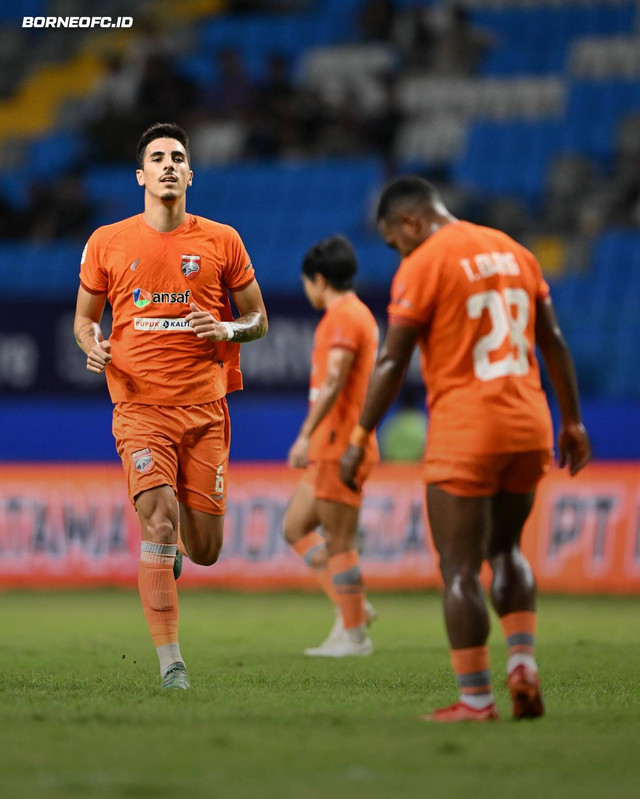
{"type": "Point", "coordinates": [298, 457]}
{"type": "Point", "coordinates": [574, 447]}
{"type": "Point", "coordinates": [205, 325]}
{"type": "Point", "coordinates": [349, 465]}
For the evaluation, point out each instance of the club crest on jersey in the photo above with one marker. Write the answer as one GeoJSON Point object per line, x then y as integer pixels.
{"type": "Point", "coordinates": [143, 460]}
{"type": "Point", "coordinates": [190, 265]}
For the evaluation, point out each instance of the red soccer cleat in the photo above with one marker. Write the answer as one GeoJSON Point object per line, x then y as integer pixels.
{"type": "Point", "coordinates": [462, 712]}
{"type": "Point", "coordinates": [524, 687]}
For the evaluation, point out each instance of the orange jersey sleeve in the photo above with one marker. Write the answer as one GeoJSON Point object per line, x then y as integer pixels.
{"type": "Point", "coordinates": [93, 275]}
{"type": "Point", "coordinates": [542, 290]}
{"type": "Point", "coordinates": [340, 331]}
{"type": "Point", "coordinates": [414, 291]}
{"type": "Point", "coordinates": [238, 270]}
{"type": "Point", "coordinates": [472, 291]}
{"type": "Point", "coordinates": [348, 324]}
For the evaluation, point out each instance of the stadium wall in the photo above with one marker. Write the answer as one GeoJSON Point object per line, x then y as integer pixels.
{"type": "Point", "coordinates": [69, 526]}
{"type": "Point", "coordinates": [263, 427]}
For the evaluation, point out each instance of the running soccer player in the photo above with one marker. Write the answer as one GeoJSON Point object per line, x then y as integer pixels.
{"type": "Point", "coordinates": [345, 347]}
{"type": "Point", "coordinates": [476, 303]}
{"type": "Point", "coordinates": [172, 356]}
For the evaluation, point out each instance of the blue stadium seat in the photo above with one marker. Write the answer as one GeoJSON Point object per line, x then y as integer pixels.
{"type": "Point", "coordinates": [509, 158]}
{"type": "Point", "coordinates": [115, 192]}
{"type": "Point", "coordinates": [55, 152]}
{"type": "Point", "coordinates": [535, 39]}
{"type": "Point", "coordinates": [57, 266]}
{"type": "Point", "coordinates": [13, 12]}
{"type": "Point", "coordinates": [256, 37]}
{"type": "Point", "coordinates": [16, 183]}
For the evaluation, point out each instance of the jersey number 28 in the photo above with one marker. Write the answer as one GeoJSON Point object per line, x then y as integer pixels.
{"type": "Point", "coordinates": [503, 324]}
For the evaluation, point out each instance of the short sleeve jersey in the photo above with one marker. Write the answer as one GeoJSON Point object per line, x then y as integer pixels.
{"type": "Point", "coordinates": [348, 324]}
{"type": "Point", "coordinates": [150, 279]}
{"type": "Point", "coordinates": [472, 291]}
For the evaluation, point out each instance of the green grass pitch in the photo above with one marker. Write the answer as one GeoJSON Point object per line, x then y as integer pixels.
{"type": "Point", "coordinates": [81, 714]}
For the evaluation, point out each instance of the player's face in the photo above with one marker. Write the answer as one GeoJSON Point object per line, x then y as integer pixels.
{"type": "Point", "coordinates": [402, 232]}
{"type": "Point", "coordinates": [165, 172]}
{"type": "Point", "coordinates": [313, 290]}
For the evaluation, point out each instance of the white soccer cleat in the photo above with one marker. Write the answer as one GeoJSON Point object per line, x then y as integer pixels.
{"type": "Point", "coordinates": [343, 647]}
{"type": "Point", "coordinates": [337, 631]}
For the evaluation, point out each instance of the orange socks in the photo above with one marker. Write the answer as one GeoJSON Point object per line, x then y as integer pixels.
{"type": "Point", "coordinates": [347, 582]}
{"type": "Point", "coordinates": [472, 665]}
{"type": "Point", "coordinates": [340, 579]}
{"type": "Point", "coordinates": [474, 678]}
{"type": "Point", "coordinates": [520, 631]}
{"type": "Point", "coordinates": [312, 548]}
{"type": "Point", "coordinates": [157, 587]}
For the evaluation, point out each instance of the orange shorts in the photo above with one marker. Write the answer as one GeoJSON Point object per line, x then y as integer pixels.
{"type": "Point", "coordinates": [186, 447]}
{"type": "Point", "coordinates": [485, 475]}
{"type": "Point", "coordinates": [324, 476]}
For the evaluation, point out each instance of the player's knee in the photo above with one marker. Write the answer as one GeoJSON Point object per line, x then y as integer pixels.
{"type": "Point", "coordinates": [459, 572]}
{"type": "Point", "coordinates": [508, 562]}
{"type": "Point", "coordinates": [317, 559]}
{"type": "Point", "coordinates": [161, 530]}
{"type": "Point", "coordinates": [291, 532]}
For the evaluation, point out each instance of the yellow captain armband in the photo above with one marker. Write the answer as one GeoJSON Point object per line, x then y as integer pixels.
{"type": "Point", "coordinates": [359, 436]}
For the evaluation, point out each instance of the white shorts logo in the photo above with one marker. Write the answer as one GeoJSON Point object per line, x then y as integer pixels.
{"type": "Point", "coordinates": [143, 460]}
{"type": "Point", "coordinates": [160, 323]}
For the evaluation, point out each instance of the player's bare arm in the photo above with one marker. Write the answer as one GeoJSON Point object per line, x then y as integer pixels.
{"type": "Point", "coordinates": [339, 364]}
{"type": "Point", "coordinates": [87, 332]}
{"type": "Point", "coordinates": [252, 323]}
{"type": "Point", "coordinates": [384, 386]}
{"type": "Point", "coordinates": [574, 448]}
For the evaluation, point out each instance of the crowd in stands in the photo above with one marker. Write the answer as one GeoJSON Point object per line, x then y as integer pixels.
{"type": "Point", "coordinates": [283, 112]}
{"type": "Point", "coordinates": [276, 115]}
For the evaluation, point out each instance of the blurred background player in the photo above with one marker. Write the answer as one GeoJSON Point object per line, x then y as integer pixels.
{"type": "Point", "coordinates": [344, 353]}
{"type": "Point", "coordinates": [169, 362]}
{"type": "Point", "coordinates": [477, 304]}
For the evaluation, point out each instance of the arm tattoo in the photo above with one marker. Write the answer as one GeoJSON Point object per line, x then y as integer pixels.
{"type": "Point", "coordinates": [249, 327]}
{"type": "Point", "coordinates": [81, 333]}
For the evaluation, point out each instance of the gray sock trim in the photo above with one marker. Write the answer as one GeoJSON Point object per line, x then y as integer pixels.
{"type": "Point", "coordinates": [350, 577]}
{"type": "Point", "coordinates": [521, 639]}
{"type": "Point", "coordinates": [158, 549]}
{"type": "Point", "coordinates": [476, 679]}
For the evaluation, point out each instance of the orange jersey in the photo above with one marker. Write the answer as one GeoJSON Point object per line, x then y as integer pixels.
{"type": "Point", "coordinates": [150, 279]}
{"type": "Point", "coordinates": [348, 323]}
{"type": "Point", "coordinates": [473, 291]}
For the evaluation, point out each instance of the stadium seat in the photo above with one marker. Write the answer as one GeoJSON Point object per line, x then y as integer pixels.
{"type": "Point", "coordinates": [217, 142]}
{"type": "Point", "coordinates": [430, 140]}
{"type": "Point", "coordinates": [58, 280]}
{"type": "Point", "coordinates": [54, 153]}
